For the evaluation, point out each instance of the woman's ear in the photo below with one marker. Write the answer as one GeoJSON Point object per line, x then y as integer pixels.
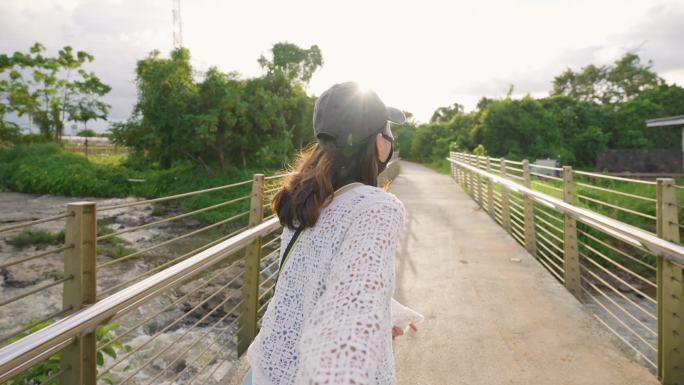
{"type": "Point", "coordinates": [382, 147]}
{"type": "Point", "coordinates": [378, 146]}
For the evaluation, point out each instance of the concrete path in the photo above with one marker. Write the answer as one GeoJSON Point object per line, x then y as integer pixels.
{"type": "Point", "coordinates": [489, 320]}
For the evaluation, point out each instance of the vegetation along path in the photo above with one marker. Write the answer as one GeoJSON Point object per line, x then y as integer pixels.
{"type": "Point", "coordinates": [493, 314]}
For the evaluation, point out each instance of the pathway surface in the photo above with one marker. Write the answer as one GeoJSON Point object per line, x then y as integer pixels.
{"type": "Point", "coordinates": [488, 319]}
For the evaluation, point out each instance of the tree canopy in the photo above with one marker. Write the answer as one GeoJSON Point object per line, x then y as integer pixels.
{"type": "Point", "coordinates": [51, 90]}
{"type": "Point", "coordinates": [221, 118]}
{"type": "Point", "coordinates": [608, 84]}
{"type": "Point", "coordinates": [588, 111]}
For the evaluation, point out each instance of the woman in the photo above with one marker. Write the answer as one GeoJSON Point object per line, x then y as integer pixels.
{"type": "Point", "coordinates": [329, 320]}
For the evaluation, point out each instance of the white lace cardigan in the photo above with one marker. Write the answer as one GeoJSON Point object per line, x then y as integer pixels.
{"type": "Point", "coordinates": [329, 320]}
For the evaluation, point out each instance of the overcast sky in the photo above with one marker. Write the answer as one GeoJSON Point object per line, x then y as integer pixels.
{"type": "Point", "coordinates": [418, 55]}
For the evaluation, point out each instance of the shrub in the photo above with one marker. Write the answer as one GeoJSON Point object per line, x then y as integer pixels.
{"type": "Point", "coordinates": [37, 237]}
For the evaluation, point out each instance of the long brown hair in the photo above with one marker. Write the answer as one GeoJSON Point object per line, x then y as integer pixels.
{"type": "Point", "coordinates": [318, 170]}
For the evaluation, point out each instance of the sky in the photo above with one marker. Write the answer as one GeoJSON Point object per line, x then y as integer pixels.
{"type": "Point", "coordinates": [417, 55]}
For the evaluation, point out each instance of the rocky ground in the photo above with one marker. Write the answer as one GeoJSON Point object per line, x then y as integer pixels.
{"type": "Point", "coordinates": [171, 342]}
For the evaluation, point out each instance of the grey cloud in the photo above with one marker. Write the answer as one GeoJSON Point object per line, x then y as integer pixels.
{"type": "Point", "coordinates": [117, 34]}
{"type": "Point", "coordinates": [659, 37]}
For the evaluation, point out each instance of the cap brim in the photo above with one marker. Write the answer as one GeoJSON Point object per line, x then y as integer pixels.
{"type": "Point", "coordinates": [395, 115]}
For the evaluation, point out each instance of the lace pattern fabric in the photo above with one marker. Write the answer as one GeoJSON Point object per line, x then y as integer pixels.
{"type": "Point", "coordinates": [329, 321]}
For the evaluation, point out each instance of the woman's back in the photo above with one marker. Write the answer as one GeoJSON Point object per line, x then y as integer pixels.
{"type": "Point", "coordinates": [329, 318]}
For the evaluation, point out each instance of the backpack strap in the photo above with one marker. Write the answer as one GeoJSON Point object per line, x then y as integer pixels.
{"type": "Point", "coordinates": [296, 235]}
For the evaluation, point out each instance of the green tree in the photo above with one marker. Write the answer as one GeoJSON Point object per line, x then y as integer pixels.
{"type": "Point", "coordinates": [166, 94]}
{"type": "Point", "coordinates": [86, 105]}
{"type": "Point", "coordinates": [444, 114]}
{"type": "Point", "coordinates": [622, 81]}
{"type": "Point", "coordinates": [220, 107]}
{"type": "Point", "coordinates": [51, 90]}
{"type": "Point", "coordinates": [222, 119]}
{"type": "Point", "coordinates": [297, 64]}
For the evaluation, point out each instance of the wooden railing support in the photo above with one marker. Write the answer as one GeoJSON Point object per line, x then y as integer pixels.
{"type": "Point", "coordinates": [571, 266]}
{"type": "Point", "coordinates": [79, 360]}
{"type": "Point", "coordinates": [490, 191]}
{"type": "Point", "coordinates": [250, 285]}
{"type": "Point", "coordinates": [670, 292]}
{"type": "Point", "coordinates": [528, 204]}
{"type": "Point", "coordinates": [505, 205]}
{"type": "Point", "coordinates": [479, 182]}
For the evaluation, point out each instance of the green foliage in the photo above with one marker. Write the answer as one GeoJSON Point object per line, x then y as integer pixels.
{"type": "Point", "coordinates": [46, 169]}
{"type": "Point", "coordinates": [444, 114]}
{"type": "Point", "coordinates": [51, 90]}
{"type": "Point", "coordinates": [622, 81]}
{"type": "Point", "coordinates": [36, 237]}
{"type": "Point", "coordinates": [297, 64]}
{"type": "Point", "coordinates": [88, 133]}
{"type": "Point", "coordinates": [104, 336]}
{"type": "Point", "coordinates": [166, 91]}
{"type": "Point", "coordinates": [9, 133]}
{"type": "Point", "coordinates": [222, 120]}
{"type": "Point", "coordinates": [588, 112]}
{"type": "Point", "coordinates": [42, 371]}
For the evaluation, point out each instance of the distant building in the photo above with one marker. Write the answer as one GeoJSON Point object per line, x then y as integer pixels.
{"type": "Point", "coordinates": [671, 121]}
{"type": "Point", "coordinates": [81, 140]}
{"type": "Point", "coordinates": [545, 170]}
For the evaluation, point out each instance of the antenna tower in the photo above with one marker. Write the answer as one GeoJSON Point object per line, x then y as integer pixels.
{"type": "Point", "coordinates": [177, 30]}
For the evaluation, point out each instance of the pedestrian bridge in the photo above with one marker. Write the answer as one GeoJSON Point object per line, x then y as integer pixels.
{"type": "Point", "coordinates": [499, 270]}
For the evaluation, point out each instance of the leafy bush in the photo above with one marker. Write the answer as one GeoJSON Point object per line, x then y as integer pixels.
{"type": "Point", "coordinates": [41, 372]}
{"type": "Point", "coordinates": [88, 133]}
{"type": "Point", "coordinates": [46, 169]}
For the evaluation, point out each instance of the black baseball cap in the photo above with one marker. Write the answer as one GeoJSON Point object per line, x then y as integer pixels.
{"type": "Point", "coordinates": [350, 114]}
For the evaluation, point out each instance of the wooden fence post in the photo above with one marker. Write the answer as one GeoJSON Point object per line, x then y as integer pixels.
{"type": "Point", "coordinates": [570, 248]}
{"type": "Point", "coordinates": [479, 182]}
{"type": "Point", "coordinates": [505, 206]}
{"type": "Point", "coordinates": [454, 170]}
{"type": "Point", "coordinates": [459, 172]}
{"type": "Point", "coordinates": [530, 236]}
{"type": "Point", "coordinates": [78, 360]}
{"type": "Point", "coordinates": [469, 175]}
{"type": "Point", "coordinates": [670, 291]}
{"type": "Point", "coordinates": [490, 191]}
{"type": "Point", "coordinates": [250, 285]}
{"type": "Point", "coordinates": [473, 179]}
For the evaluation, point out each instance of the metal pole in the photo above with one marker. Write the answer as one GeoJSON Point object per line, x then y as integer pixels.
{"type": "Point", "coordinates": [78, 361]}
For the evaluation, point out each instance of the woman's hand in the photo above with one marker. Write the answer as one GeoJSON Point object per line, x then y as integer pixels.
{"type": "Point", "coordinates": [396, 330]}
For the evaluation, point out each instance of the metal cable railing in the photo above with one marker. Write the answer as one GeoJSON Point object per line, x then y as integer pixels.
{"type": "Point", "coordinates": [199, 308]}
{"type": "Point", "coordinates": [618, 270]}
{"type": "Point", "coordinates": [21, 354]}
{"type": "Point", "coordinates": [172, 197]}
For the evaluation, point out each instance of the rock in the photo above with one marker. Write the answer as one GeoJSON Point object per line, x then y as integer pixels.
{"type": "Point", "coordinates": [129, 220]}
{"type": "Point", "coordinates": [30, 273]}
{"type": "Point", "coordinates": [162, 320]}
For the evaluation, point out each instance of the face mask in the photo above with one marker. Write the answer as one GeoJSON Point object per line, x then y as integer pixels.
{"type": "Point", "coordinates": [382, 165]}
